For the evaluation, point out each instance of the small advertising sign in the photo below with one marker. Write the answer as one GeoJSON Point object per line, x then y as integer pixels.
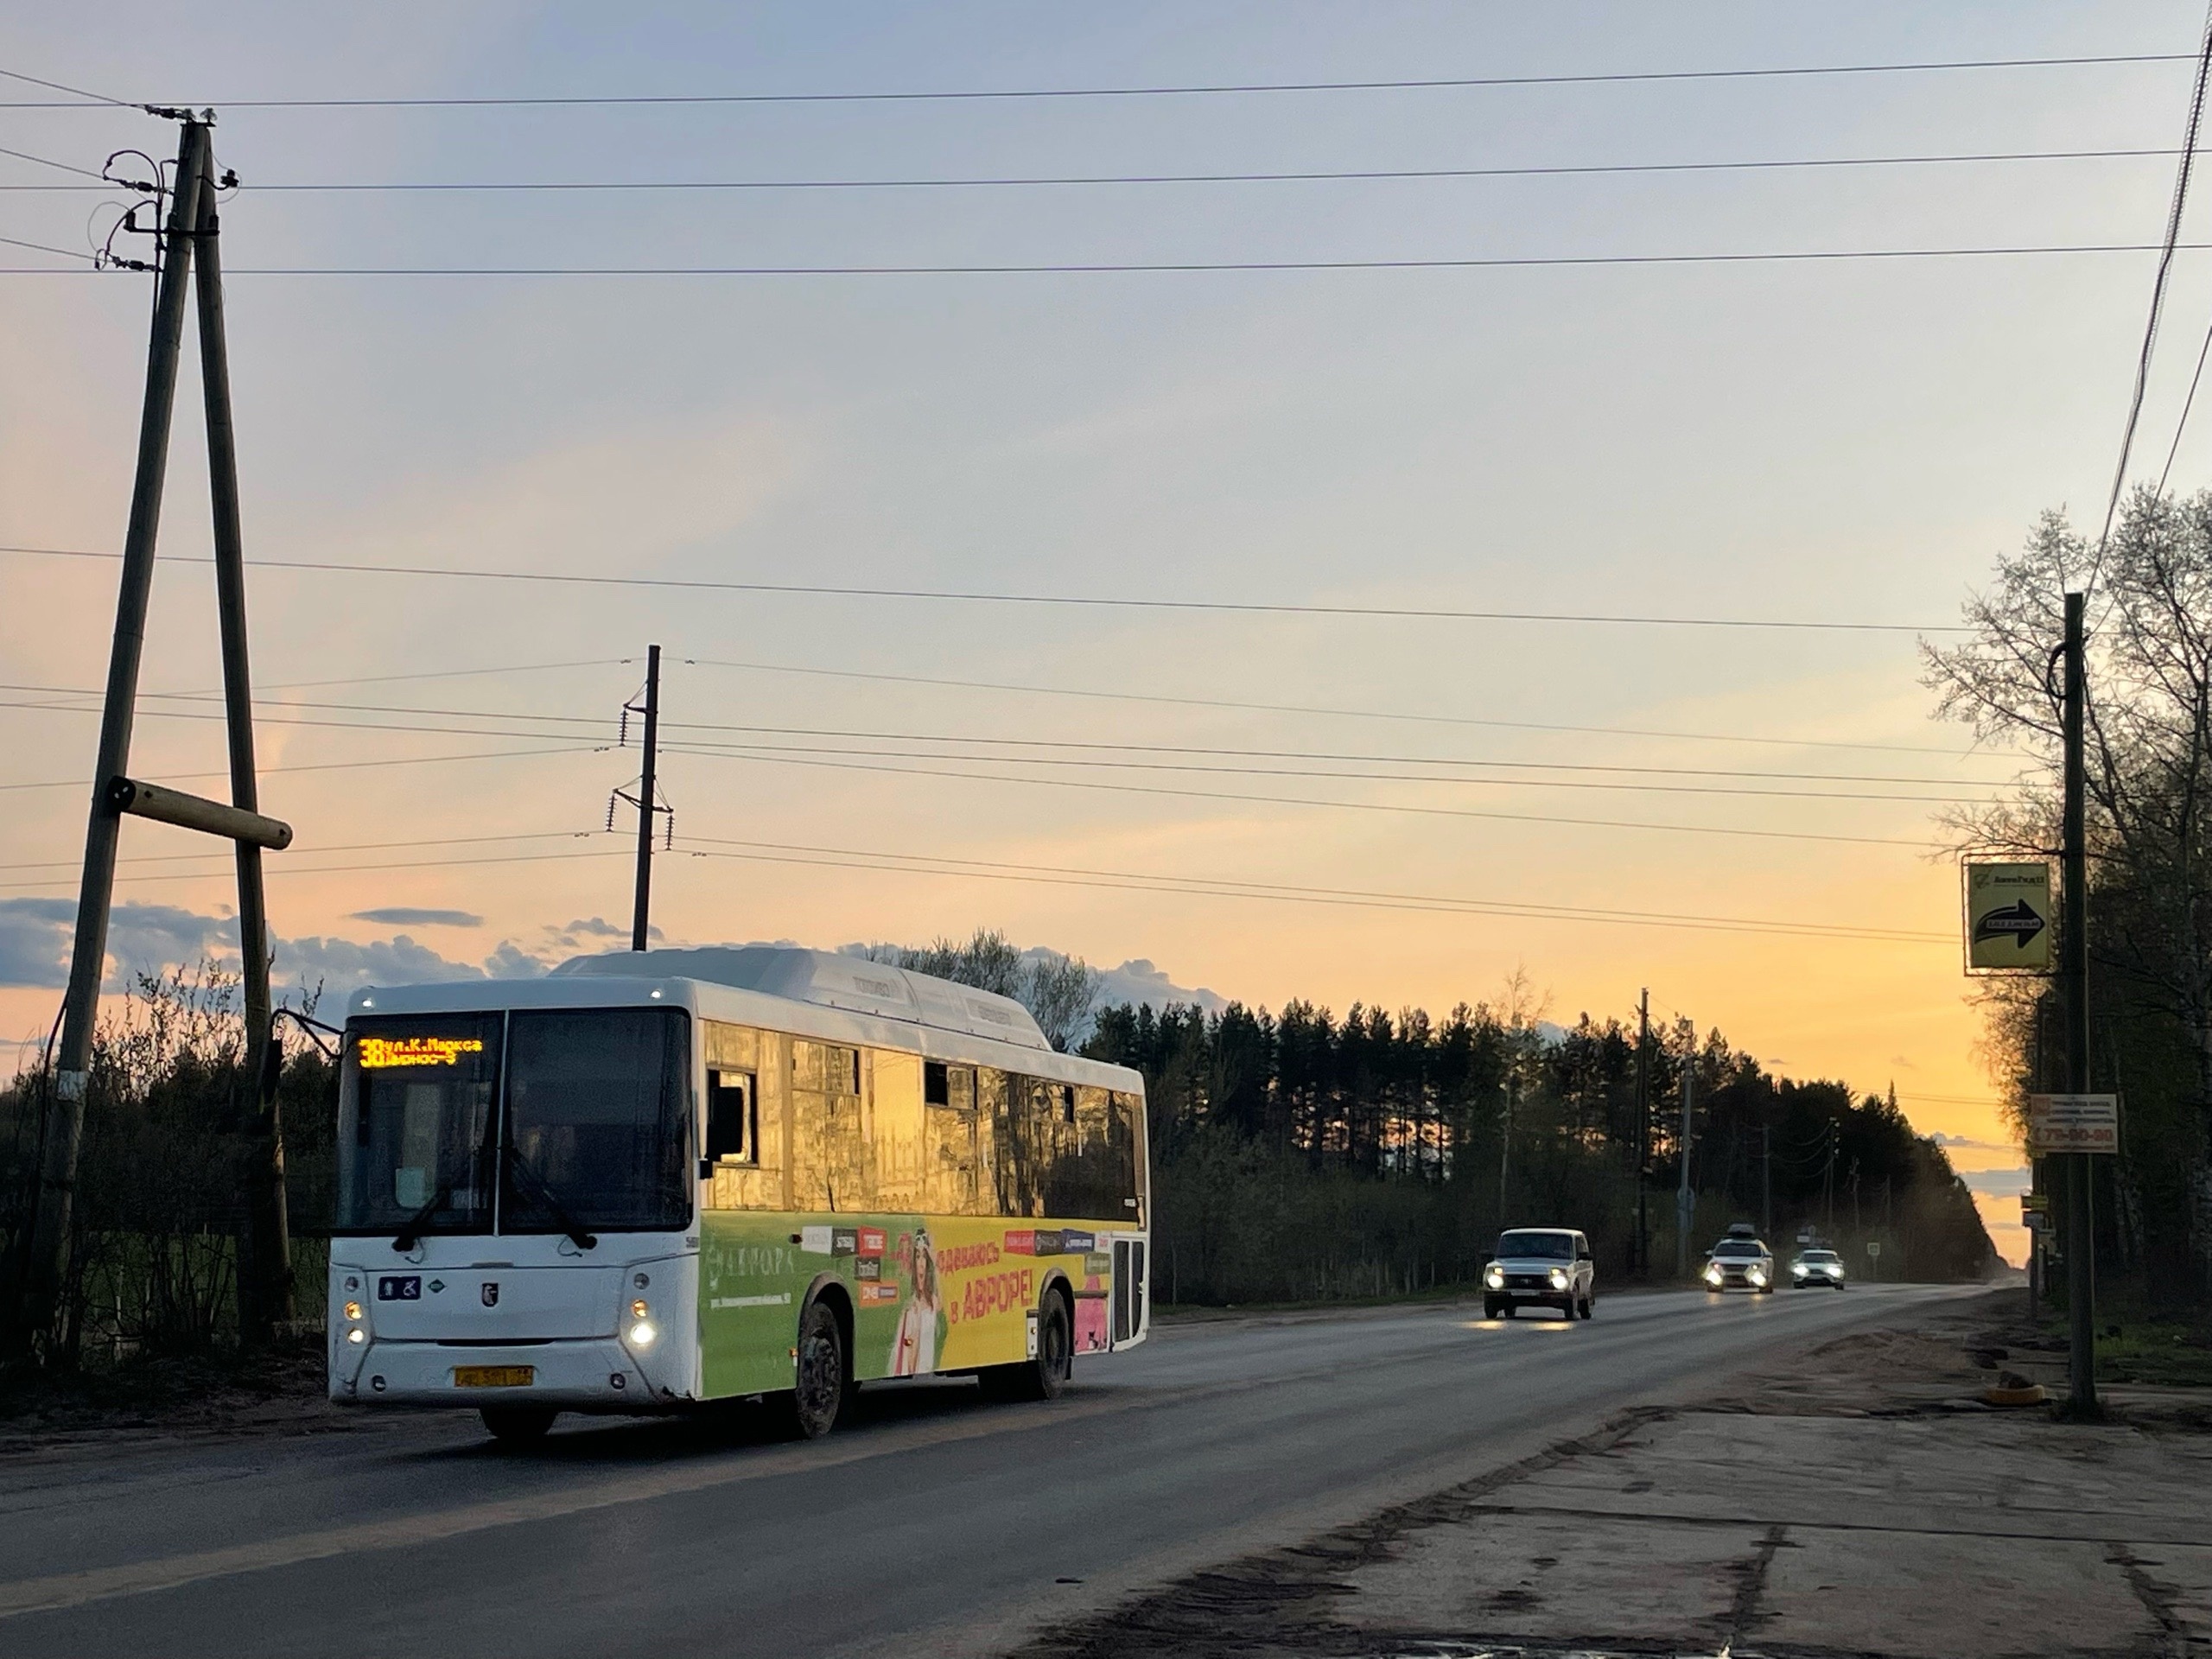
{"type": "Point", "coordinates": [2070, 1124]}
{"type": "Point", "coordinates": [2008, 918]}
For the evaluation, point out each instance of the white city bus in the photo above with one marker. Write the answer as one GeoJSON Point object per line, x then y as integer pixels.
{"type": "Point", "coordinates": [658, 1179]}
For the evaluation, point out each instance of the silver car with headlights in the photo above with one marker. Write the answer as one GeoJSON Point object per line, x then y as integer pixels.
{"type": "Point", "coordinates": [1540, 1267]}
{"type": "Point", "coordinates": [1817, 1269]}
{"type": "Point", "coordinates": [1740, 1262]}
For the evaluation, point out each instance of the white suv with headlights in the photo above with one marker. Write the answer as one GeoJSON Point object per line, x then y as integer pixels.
{"type": "Point", "coordinates": [1540, 1267]}
{"type": "Point", "coordinates": [1740, 1262]}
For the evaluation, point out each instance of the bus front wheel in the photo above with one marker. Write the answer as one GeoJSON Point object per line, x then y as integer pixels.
{"type": "Point", "coordinates": [1045, 1378]}
{"type": "Point", "coordinates": [818, 1399]}
{"type": "Point", "coordinates": [517, 1424]}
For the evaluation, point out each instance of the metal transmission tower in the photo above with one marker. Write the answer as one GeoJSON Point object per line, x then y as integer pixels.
{"type": "Point", "coordinates": [264, 1275]}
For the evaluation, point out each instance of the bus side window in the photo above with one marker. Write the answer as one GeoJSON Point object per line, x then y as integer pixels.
{"type": "Point", "coordinates": [733, 1118]}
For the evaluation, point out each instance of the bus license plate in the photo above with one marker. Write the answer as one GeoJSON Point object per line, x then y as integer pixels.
{"type": "Point", "coordinates": [493, 1376]}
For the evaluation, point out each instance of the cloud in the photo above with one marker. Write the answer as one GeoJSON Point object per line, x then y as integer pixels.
{"type": "Point", "coordinates": [597, 927]}
{"type": "Point", "coordinates": [341, 965]}
{"type": "Point", "coordinates": [34, 941]}
{"type": "Point", "coordinates": [2000, 1183]}
{"type": "Point", "coordinates": [407, 916]}
{"type": "Point", "coordinates": [35, 935]}
{"type": "Point", "coordinates": [1966, 1143]}
{"type": "Point", "coordinates": [1139, 981]}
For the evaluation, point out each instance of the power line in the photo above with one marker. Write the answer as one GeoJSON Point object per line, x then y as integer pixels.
{"type": "Point", "coordinates": [1308, 708]}
{"type": "Point", "coordinates": [1398, 613]}
{"type": "Point", "coordinates": [1200, 89]}
{"type": "Point", "coordinates": [280, 868]}
{"type": "Point", "coordinates": [98, 99]}
{"type": "Point", "coordinates": [85, 172]}
{"type": "Point", "coordinates": [330, 765]}
{"type": "Point", "coordinates": [704, 746]}
{"type": "Point", "coordinates": [1086, 744]}
{"type": "Point", "coordinates": [1192, 267]}
{"type": "Point", "coordinates": [1139, 882]}
{"type": "Point", "coordinates": [2157, 294]}
{"type": "Point", "coordinates": [1063, 875]}
{"type": "Point", "coordinates": [1078, 180]}
{"type": "Point", "coordinates": [1302, 800]}
{"type": "Point", "coordinates": [220, 859]}
{"type": "Point", "coordinates": [40, 247]}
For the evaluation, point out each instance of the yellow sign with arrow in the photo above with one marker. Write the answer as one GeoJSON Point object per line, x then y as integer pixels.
{"type": "Point", "coordinates": [2009, 918]}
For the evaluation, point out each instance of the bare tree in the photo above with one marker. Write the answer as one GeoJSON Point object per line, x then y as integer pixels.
{"type": "Point", "coordinates": [2149, 762]}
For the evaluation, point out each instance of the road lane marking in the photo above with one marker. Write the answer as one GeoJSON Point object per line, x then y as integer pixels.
{"type": "Point", "coordinates": [62, 1590]}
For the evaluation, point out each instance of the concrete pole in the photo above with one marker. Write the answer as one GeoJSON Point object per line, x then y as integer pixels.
{"type": "Point", "coordinates": [265, 1264]}
{"type": "Point", "coordinates": [1766, 1181]}
{"type": "Point", "coordinates": [1642, 1133]}
{"type": "Point", "coordinates": [1504, 1149]}
{"type": "Point", "coordinates": [1684, 1200]}
{"type": "Point", "coordinates": [49, 1263]}
{"type": "Point", "coordinates": [640, 918]}
{"type": "Point", "coordinates": [2073, 944]}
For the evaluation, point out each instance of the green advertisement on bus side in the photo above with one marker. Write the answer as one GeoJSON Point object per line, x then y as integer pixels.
{"type": "Point", "coordinates": [935, 1293]}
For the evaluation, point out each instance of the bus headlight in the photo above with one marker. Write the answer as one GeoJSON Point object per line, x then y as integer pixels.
{"type": "Point", "coordinates": [642, 1334]}
{"type": "Point", "coordinates": [1558, 1278]}
{"type": "Point", "coordinates": [1494, 1276]}
{"type": "Point", "coordinates": [356, 1335]}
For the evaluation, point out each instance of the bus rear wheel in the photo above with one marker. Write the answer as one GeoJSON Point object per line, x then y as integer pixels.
{"type": "Point", "coordinates": [517, 1424]}
{"type": "Point", "coordinates": [818, 1398]}
{"type": "Point", "coordinates": [1045, 1378]}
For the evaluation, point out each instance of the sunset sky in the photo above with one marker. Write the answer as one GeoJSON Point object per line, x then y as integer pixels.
{"type": "Point", "coordinates": [1837, 439]}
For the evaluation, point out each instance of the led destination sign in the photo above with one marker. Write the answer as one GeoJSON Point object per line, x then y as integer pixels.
{"type": "Point", "coordinates": [381, 1053]}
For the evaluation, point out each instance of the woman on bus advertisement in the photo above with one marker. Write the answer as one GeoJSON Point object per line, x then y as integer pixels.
{"type": "Point", "coordinates": [914, 1345]}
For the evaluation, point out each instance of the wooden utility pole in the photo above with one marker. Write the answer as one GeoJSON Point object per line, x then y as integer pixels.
{"type": "Point", "coordinates": [49, 1263]}
{"type": "Point", "coordinates": [264, 1270]}
{"type": "Point", "coordinates": [265, 1298]}
{"type": "Point", "coordinates": [2073, 956]}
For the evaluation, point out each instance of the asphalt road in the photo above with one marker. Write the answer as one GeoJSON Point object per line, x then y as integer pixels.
{"type": "Point", "coordinates": [930, 1523]}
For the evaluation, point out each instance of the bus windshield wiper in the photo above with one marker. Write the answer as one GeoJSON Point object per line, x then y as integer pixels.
{"type": "Point", "coordinates": [411, 1231]}
{"type": "Point", "coordinates": [570, 1225]}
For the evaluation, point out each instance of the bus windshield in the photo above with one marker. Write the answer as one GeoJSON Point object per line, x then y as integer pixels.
{"type": "Point", "coordinates": [597, 1132]}
{"type": "Point", "coordinates": [415, 1120]}
{"type": "Point", "coordinates": [586, 1125]}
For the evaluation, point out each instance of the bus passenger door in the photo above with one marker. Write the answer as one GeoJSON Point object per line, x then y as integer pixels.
{"type": "Point", "coordinates": [1128, 1289]}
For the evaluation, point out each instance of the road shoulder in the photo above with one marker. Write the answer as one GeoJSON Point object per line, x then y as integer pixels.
{"type": "Point", "coordinates": [1849, 1496]}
